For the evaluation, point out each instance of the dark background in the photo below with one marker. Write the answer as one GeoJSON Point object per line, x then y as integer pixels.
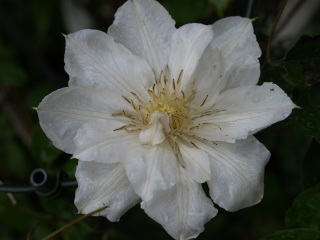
{"type": "Point", "coordinates": [31, 66]}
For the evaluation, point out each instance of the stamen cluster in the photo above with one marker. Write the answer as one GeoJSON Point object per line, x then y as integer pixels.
{"type": "Point", "coordinates": [166, 96]}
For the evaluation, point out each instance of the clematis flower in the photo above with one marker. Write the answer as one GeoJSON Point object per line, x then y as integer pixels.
{"type": "Point", "coordinates": [153, 112]}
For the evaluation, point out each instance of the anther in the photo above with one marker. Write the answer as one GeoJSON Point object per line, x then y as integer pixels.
{"type": "Point", "coordinates": [204, 101]}
{"type": "Point", "coordinates": [126, 99]}
{"type": "Point", "coordinates": [179, 77]}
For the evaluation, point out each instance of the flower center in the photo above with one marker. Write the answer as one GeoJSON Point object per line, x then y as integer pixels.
{"type": "Point", "coordinates": [177, 108]}
{"type": "Point", "coordinates": [166, 114]}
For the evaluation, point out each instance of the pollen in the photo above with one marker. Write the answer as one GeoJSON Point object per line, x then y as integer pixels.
{"type": "Point", "coordinates": [166, 97]}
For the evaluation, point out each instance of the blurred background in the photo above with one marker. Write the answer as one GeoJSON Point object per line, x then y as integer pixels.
{"type": "Point", "coordinates": [31, 66]}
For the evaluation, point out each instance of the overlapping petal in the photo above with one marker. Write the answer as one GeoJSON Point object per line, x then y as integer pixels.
{"type": "Point", "coordinates": [183, 209]}
{"type": "Point", "coordinates": [156, 131]}
{"type": "Point", "coordinates": [195, 161]}
{"type": "Point", "coordinates": [210, 79]}
{"type": "Point", "coordinates": [102, 185]}
{"type": "Point", "coordinates": [235, 38]}
{"type": "Point", "coordinates": [188, 45]}
{"type": "Point", "coordinates": [152, 169]}
{"type": "Point", "coordinates": [79, 120]}
{"type": "Point", "coordinates": [243, 111]}
{"type": "Point", "coordinates": [92, 57]}
{"type": "Point", "coordinates": [146, 28]}
{"type": "Point", "coordinates": [237, 172]}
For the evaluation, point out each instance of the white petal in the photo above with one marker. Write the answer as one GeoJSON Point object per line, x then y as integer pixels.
{"type": "Point", "coordinates": [146, 28]}
{"type": "Point", "coordinates": [100, 143]}
{"type": "Point", "coordinates": [93, 57]}
{"type": "Point", "coordinates": [237, 172]}
{"type": "Point", "coordinates": [188, 44]}
{"type": "Point", "coordinates": [195, 161]}
{"type": "Point", "coordinates": [156, 131]}
{"type": "Point", "coordinates": [245, 110]}
{"type": "Point", "coordinates": [104, 185]}
{"type": "Point", "coordinates": [235, 38]}
{"type": "Point", "coordinates": [151, 169]}
{"type": "Point", "coordinates": [183, 209]}
{"type": "Point", "coordinates": [79, 120]}
{"type": "Point", "coordinates": [210, 78]}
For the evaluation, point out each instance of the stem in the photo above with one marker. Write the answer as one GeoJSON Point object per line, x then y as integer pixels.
{"type": "Point", "coordinates": [9, 189]}
{"type": "Point", "coordinates": [40, 222]}
{"type": "Point", "coordinates": [273, 28]}
{"type": "Point", "coordinates": [25, 189]}
{"type": "Point", "coordinates": [69, 184]}
{"type": "Point", "coordinates": [74, 222]}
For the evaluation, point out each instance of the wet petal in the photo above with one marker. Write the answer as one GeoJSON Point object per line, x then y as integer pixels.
{"type": "Point", "coordinates": [188, 45]}
{"type": "Point", "coordinates": [157, 130]}
{"type": "Point", "coordinates": [104, 185]}
{"type": "Point", "coordinates": [237, 172]}
{"type": "Point", "coordinates": [79, 121]}
{"type": "Point", "coordinates": [183, 209]}
{"type": "Point", "coordinates": [92, 57]}
{"type": "Point", "coordinates": [235, 38]}
{"type": "Point", "coordinates": [195, 161]}
{"type": "Point", "coordinates": [244, 111]}
{"type": "Point", "coordinates": [151, 169]}
{"type": "Point", "coordinates": [210, 79]}
{"type": "Point", "coordinates": [146, 28]}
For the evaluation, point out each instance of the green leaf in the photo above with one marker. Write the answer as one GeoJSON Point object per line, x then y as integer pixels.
{"type": "Point", "coordinates": [294, 234]}
{"type": "Point", "coordinates": [305, 212]}
{"type": "Point", "coordinates": [309, 113]}
{"type": "Point", "coordinates": [273, 74]}
{"type": "Point", "coordinates": [311, 165]}
{"type": "Point", "coordinates": [42, 148]}
{"type": "Point", "coordinates": [220, 6]}
{"type": "Point", "coordinates": [186, 11]}
{"type": "Point", "coordinates": [301, 65]}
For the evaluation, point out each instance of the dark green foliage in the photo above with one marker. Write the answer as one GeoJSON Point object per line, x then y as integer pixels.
{"type": "Point", "coordinates": [302, 63]}
{"type": "Point", "coordinates": [190, 12]}
{"type": "Point", "coordinates": [12, 74]}
{"type": "Point", "coordinates": [42, 148]}
{"type": "Point", "coordinates": [305, 212]}
{"type": "Point", "coordinates": [220, 6]}
{"type": "Point", "coordinates": [311, 166]}
{"type": "Point", "coordinates": [296, 234]}
{"type": "Point", "coordinates": [308, 113]}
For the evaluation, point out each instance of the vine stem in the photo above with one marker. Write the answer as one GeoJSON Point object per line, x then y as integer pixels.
{"type": "Point", "coordinates": [74, 222]}
{"type": "Point", "coordinates": [273, 29]}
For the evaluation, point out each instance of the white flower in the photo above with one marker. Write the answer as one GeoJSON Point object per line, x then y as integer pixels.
{"type": "Point", "coordinates": [152, 112]}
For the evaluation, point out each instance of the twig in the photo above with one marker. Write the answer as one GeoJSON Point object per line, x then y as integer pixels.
{"type": "Point", "coordinates": [40, 222]}
{"type": "Point", "coordinates": [74, 222]}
